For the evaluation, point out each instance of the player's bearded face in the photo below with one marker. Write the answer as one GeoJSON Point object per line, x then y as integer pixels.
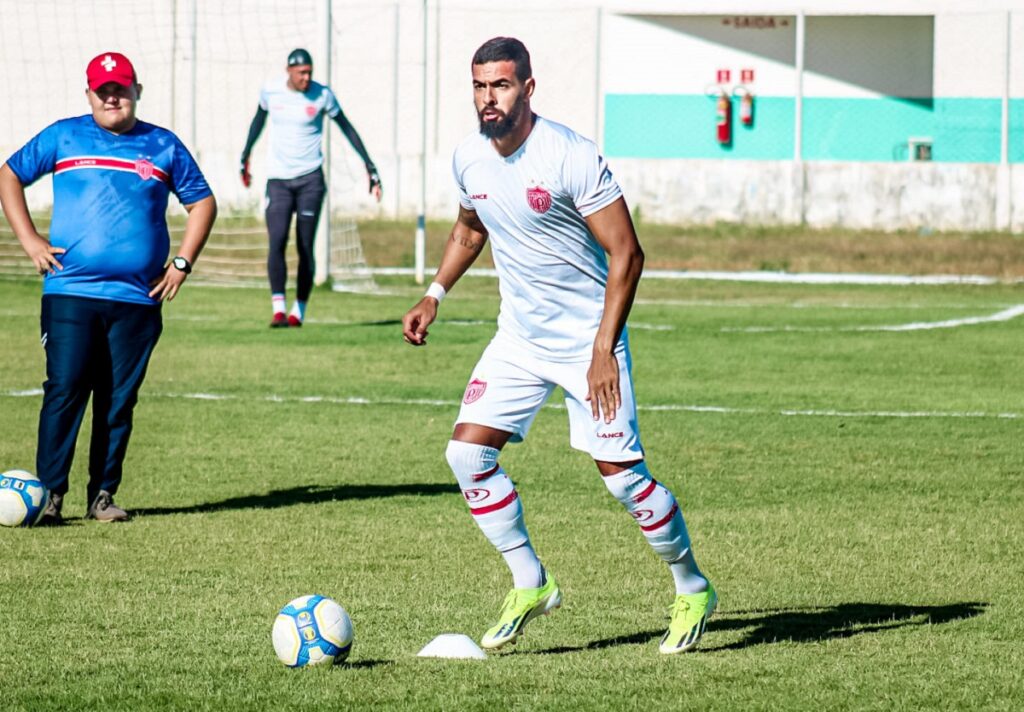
{"type": "Point", "coordinates": [505, 122]}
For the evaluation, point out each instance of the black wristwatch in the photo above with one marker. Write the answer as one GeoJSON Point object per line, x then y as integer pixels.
{"type": "Point", "coordinates": [181, 263]}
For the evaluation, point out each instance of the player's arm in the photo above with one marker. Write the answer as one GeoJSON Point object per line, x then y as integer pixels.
{"type": "Point", "coordinates": [613, 228]}
{"type": "Point", "coordinates": [37, 247]}
{"type": "Point", "coordinates": [357, 144]}
{"type": "Point", "coordinates": [255, 129]}
{"type": "Point", "coordinates": [201, 215]}
{"type": "Point", "coordinates": [467, 239]}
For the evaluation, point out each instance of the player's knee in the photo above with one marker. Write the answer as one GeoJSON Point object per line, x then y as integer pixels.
{"type": "Point", "coordinates": [470, 462]}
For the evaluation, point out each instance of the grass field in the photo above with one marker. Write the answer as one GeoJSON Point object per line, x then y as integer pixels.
{"type": "Point", "coordinates": [856, 494]}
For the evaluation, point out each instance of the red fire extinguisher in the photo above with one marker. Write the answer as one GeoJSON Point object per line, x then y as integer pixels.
{"type": "Point", "coordinates": [724, 111]}
{"type": "Point", "coordinates": [747, 108]}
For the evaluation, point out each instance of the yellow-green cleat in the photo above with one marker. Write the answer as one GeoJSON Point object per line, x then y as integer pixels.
{"type": "Point", "coordinates": [520, 607]}
{"type": "Point", "coordinates": [690, 613]}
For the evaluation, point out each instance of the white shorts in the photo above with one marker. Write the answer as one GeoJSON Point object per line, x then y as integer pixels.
{"type": "Point", "coordinates": [509, 385]}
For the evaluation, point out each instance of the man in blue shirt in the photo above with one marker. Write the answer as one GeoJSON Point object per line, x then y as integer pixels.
{"type": "Point", "coordinates": [105, 269]}
{"type": "Point", "coordinates": [295, 182]}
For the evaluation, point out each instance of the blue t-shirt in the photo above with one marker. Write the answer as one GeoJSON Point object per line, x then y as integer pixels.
{"type": "Point", "coordinates": [110, 195]}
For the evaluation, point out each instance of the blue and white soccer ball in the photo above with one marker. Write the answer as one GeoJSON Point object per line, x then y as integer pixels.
{"type": "Point", "coordinates": [311, 630]}
{"type": "Point", "coordinates": [22, 498]}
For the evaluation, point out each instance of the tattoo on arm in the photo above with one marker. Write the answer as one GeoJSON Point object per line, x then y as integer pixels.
{"type": "Point", "coordinates": [467, 241]}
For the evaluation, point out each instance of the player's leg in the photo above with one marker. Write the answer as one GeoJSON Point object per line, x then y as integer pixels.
{"type": "Point", "coordinates": [132, 332]}
{"type": "Point", "coordinates": [500, 404]}
{"type": "Point", "coordinates": [280, 204]}
{"type": "Point", "coordinates": [69, 330]}
{"type": "Point", "coordinates": [309, 199]}
{"type": "Point", "coordinates": [619, 456]}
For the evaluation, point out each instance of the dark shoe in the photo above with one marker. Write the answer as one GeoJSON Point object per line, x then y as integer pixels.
{"type": "Point", "coordinates": [51, 513]}
{"type": "Point", "coordinates": [294, 320]}
{"type": "Point", "coordinates": [103, 509]}
{"type": "Point", "coordinates": [279, 321]}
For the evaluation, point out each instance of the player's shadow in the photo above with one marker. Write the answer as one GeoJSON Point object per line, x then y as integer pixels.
{"type": "Point", "coordinates": [306, 494]}
{"type": "Point", "coordinates": [804, 625]}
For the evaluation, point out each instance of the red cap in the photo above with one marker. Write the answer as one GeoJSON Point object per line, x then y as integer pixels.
{"type": "Point", "coordinates": [110, 67]}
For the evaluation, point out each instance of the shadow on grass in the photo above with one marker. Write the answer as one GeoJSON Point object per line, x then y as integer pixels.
{"type": "Point", "coordinates": [803, 625]}
{"type": "Point", "coordinates": [308, 494]}
{"type": "Point", "coordinates": [365, 664]}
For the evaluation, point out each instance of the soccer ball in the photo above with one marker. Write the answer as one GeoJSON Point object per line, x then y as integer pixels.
{"type": "Point", "coordinates": [22, 498]}
{"type": "Point", "coordinates": [311, 630]}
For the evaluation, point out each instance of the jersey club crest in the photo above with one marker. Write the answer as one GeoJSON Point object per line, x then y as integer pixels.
{"type": "Point", "coordinates": [539, 199]}
{"type": "Point", "coordinates": [310, 110]}
{"type": "Point", "coordinates": [474, 391]}
{"type": "Point", "coordinates": [144, 168]}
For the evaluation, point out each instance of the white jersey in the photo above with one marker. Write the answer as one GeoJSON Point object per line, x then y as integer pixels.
{"type": "Point", "coordinates": [551, 271]}
{"type": "Point", "coordinates": [296, 126]}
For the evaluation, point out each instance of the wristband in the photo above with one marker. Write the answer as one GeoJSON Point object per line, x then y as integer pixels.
{"type": "Point", "coordinates": [436, 291]}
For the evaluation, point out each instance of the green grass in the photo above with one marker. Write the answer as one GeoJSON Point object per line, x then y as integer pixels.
{"type": "Point", "coordinates": [863, 561]}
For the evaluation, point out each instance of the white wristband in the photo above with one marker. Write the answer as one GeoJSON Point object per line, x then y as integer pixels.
{"type": "Point", "coordinates": [436, 291]}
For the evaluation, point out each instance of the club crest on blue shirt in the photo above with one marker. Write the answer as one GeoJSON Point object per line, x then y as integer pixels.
{"type": "Point", "coordinates": [144, 168]}
{"type": "Point", "coordinates": [539, 199]}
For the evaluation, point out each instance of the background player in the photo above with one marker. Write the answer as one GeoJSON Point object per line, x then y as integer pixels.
{"type": "Point", "coordinates": [295, 180]}
{"type": "Point", "coordinates": [104, 267]}
{"type": "Point", "coordinates": [552, 210]}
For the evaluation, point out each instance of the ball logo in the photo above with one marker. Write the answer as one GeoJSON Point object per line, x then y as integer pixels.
{"type": "Point", "coordinates": [309, 634]}
{"type": "Point", "coordinates": [476, 495]}
{"type": "Point", "coordinates": [304, 618]}
{"type": "Point", "coordinates": [539, 199]}
{"type": "Point", "coordinates": [310, 110]}
{"type": "Point", "coordinates": [642, 515]}
{"type": "Point", "coordinates": [474, 391]}
{"type": "Point", "coordinates": [144, 168]}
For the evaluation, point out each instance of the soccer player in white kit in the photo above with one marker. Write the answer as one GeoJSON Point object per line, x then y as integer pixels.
{"type": "Point", "coordinates": [568, 263]}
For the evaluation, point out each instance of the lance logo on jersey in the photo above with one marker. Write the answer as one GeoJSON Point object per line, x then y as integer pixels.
{"type": "Point", "coordinates": [539, 199]}
{"type": "Point", "coordinates": [474, 391]}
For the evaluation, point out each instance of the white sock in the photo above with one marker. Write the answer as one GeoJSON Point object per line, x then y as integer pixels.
{"type": "Point", "coordinates": [496, 508]}
{"type": "Point", "coordinates": [278, 303]}
{"type": "Point", "coordinates": [299, 310]}
{"type": "Point", "coordinates": [655, 509]}
{"type": "Point", "coordinates": [525, 567]}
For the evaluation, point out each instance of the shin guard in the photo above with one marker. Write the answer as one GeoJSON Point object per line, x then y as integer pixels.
{"type": "Point", "coordinates": [490, 494]}
{"type": "Point", "coordinates": [654, 508]}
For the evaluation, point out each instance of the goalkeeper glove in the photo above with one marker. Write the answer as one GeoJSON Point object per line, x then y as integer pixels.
{"type": "Point", "coordinates": [246, 175]}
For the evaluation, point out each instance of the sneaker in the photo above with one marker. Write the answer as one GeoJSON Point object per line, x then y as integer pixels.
{"type": "Point", "coordinates": [294, 320]}
{"type": "Point", "coordinates": [690, 613]}
{"type": "Point", "coordinates": [51, 513]}
{"type": "Point", "coordinates": [279, 321]}
{"type": "Point", "coordinates": [103, 509]}
{"type": "Point", "coordinates": [520, 607]}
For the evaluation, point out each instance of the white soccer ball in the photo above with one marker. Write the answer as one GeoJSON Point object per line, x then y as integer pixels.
{"type": "Point", "coordinates": [311, 630]}
{"type": "Point", "coordinates": [22, 498]}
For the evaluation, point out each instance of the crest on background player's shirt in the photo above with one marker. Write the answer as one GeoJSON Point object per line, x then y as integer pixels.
{"type": "Point", "coordinates": [310, 110]}
{"type": "Point", "coordinates": [474, 391]}
{"type": "Point", "coordinates": [539, 199]}
{"type": "Point", "coordinates": [144, 168]}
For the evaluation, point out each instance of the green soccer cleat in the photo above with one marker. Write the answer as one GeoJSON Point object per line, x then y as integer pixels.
{"type": "Point", "coordinates": [520, 607]}
{"type": "Point", "coordinates": [690, 613]}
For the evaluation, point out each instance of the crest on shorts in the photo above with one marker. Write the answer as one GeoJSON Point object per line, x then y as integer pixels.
{"type": "Point", "coordinates": [539, 199]}
{"type": "Point", "coordinates": [310, 110]}
{"type": "Point", "coordinates": [474, 391]}
{"type": "Point", "coordinates": [144, 168]}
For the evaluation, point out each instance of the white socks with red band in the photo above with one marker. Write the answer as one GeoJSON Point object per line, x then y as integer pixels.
{"type": "Point", "coordinates": [655, 509]}
{"type": "Point", "coordinates": [495, 506]}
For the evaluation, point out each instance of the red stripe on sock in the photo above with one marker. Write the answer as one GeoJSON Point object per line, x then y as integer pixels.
{"type": "Point", "coordinates": [484, 475]}
{"type": "Point", "coordinates": [496, 506]}
{"type": "Point", "coordinates": [662, 522]}
{"type": "Point", "coordinates": [647, 492]}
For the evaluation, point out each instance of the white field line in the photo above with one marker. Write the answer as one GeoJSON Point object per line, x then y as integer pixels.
{"type": "Point", "coordinates": [1004, 315]}
{"type": "Point", "coordinates": [671, 407]}
{"type": "Point", "coordinates": [745, 304]}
